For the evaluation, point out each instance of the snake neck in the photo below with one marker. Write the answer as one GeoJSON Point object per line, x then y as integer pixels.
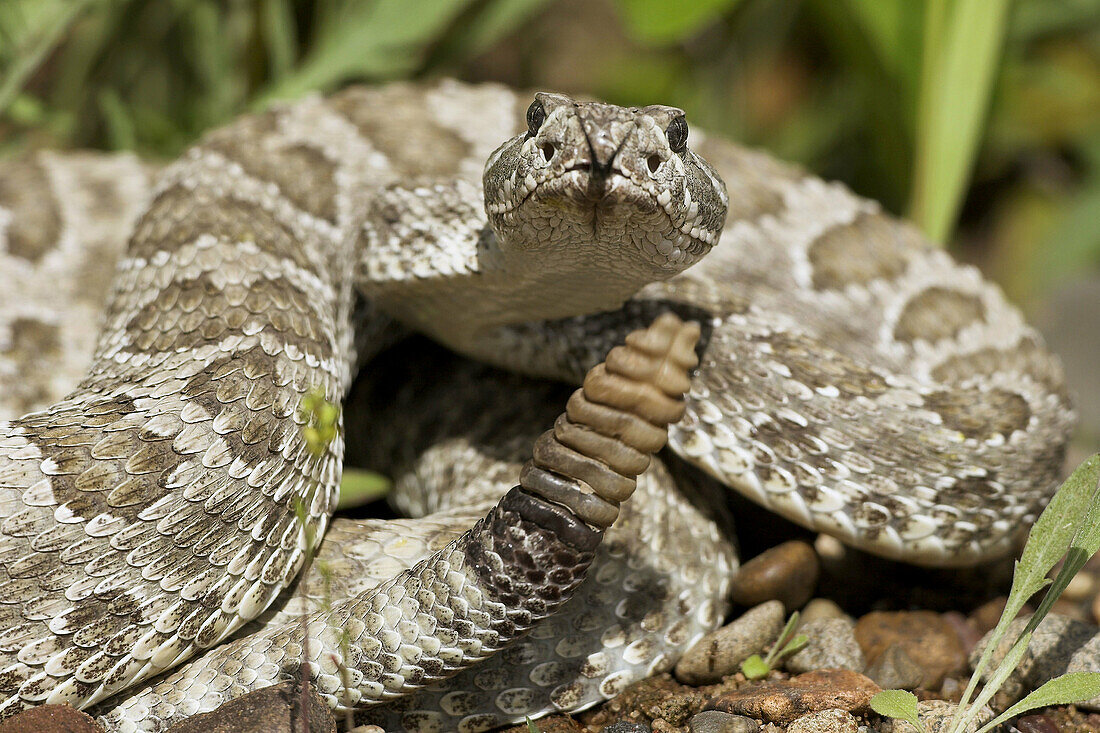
{"type": "Point", "coordinates": [459, 287]}
{"type": "Point", "coordinates": [495, 288]}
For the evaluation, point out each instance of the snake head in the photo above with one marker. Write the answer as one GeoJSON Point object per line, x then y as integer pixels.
{"type": "Point", "coordinates": [616, 190]}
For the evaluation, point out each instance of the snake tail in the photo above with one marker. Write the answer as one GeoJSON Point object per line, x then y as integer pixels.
{"type": "Point", "coordinates": [613, 424]}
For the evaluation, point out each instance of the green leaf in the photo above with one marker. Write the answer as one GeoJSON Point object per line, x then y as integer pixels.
{"type": "Point", "coordinates": [531, 727]}
{"type": "Point", "coordinates": [375, 40]}
{"type": "Point", "coordinates": [897, 704]}
{"type": "Point", "coordinates": [1011, 660]}
{"type": "Point", "coordinates": [1065, 690]}
{"type": "Point", "coordinates": [962, 53]}
{"type": "Point", "coordinates": [29, 31]}
{"type": "Point", "coordinates": [755, 668]}
{"type": "Point", "coordinates": [794, 645]}
{"type": "Point", "coordinates": [777, 648]}
{"type": "Point", "coordinates": [120, 123]}
{"type": "Point", "coordinates": [489, 24]}
{"type": "Point", "coordinates": [667, 21]}
{"type": "Point", "coordinates": [1056, 528]}
{"type": "Point", "coordinates": [358, 487]}
{"type": "Point", "coordinates": [280, 35]}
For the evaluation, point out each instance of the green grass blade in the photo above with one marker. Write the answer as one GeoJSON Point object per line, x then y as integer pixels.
{"type": "Point", "coordinates": [1004, 669]}
{"type": "Point", "coordinates": [1068, 689]}
{"type": "Point", "coordinates": [959, 69]}
{"type": "Point", "coordinates": [668, 21]}
{"type": "Point", "coordinates": [280, 36]}
{"type": "Point", "coordinates": [358, 487]}
{"type": "Point", "coordinates": [26, 60]}
{"type": "Point", "coordinates": [375, 40]}
{"type": "Point", "coordinates": [491, 22]}
{"type": "Point", "coordinates": [1047, 543]}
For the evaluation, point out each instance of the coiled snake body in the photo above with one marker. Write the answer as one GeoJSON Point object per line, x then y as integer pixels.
{"type": "Point", "coordinates": [852, 378]}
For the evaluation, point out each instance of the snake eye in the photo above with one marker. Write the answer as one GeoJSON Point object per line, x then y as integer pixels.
{"type": "Point", "coordinates": [677, 133]}
{"type": "Point", "coordinates": [536, 115]}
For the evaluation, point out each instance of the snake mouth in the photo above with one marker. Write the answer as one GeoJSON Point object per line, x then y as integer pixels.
{"type": "Point", "coordinates": [611, 205]}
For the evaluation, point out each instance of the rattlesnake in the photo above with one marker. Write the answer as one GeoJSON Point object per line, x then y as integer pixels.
{"type": "Point", "coordinates": [852, 378]}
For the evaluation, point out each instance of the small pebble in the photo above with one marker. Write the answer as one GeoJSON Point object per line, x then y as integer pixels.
{"type": "Point", "coordinates": [720, 652]}
{"type": "Point", "coordinates": [895, 670]}
{"type": "Point", "coordinates": [831, 644]}
{"type": "Point", "coordinates": [715, 721]}
{"type": "Point", "coordinates": [1036, 724]}
{"type": "Point", "coordinates": [626, 727]}
{"type": "Point", "coordinates": [786, 573]}
{"type": "Point", "coordinates": [827, 721]}
{"type": "Point", "coordinates": [829, 548]}
{"type": "Point", "coordinates": [820, 608]}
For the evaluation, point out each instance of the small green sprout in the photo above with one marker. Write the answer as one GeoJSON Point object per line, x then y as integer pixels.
{"type": "Point", "coordinates": [1069, 527]}
{"type": "Point", "coordinates": [755, 668]}
{"type": "Point", "coordinates": [321, 420]}
{"type": "Point", "coordinates": [531, 727]}
{"type": "Point", "coordinates": [900, 704]}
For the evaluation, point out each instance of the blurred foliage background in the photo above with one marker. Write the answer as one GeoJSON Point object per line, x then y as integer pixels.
{"type": "Point", "coordinates": [980, 119]}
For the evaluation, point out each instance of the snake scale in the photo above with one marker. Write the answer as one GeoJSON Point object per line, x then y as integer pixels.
{"type": "Point", "coordinates": [852, 378]}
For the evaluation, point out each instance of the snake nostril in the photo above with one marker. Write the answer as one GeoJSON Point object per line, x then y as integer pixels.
{"type": "Point", "coordinates": [654, 162]}
{"type": "Point", "coordinates": [548, 151]}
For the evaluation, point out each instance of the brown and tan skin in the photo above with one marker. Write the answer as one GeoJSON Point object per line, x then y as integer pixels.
{"type": "Point", "coordinates": [826, 326]}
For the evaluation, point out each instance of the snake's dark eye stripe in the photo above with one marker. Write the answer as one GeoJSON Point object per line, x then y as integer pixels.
{"type": "Point", "coordinates": [536, 115]}
{"type": "Point", "coordinates": [677, 133]}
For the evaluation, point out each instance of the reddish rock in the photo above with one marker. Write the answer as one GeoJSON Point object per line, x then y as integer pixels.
{"type": "Point", "coordinates": [51, 719]}
{"type": "Point", "coordinates": [270, 710]}
{"type": "Point", "coordinates": [925, 636]}
{"type": "Point", "coordinates": [787, 573]}
{"type": "Point", "coordinates": [784, 701]}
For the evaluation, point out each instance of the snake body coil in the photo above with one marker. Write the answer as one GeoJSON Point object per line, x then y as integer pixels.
{"type": "Point", "coordinates": [152, 509]}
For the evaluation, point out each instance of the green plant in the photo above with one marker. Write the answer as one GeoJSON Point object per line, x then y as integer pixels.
{"type": "Point", "coordinates": [755, 668]}
{"type": "Point", "coordinates": [1069, 527]}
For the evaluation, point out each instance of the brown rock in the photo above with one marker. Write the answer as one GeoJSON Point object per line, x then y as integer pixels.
{"type": "Point", "coordinates": [270, 710]}
{"type": "Point", "coordinates": [787, 573]}
{"type": "Point", "coordinates": [51, 719]}
{"type": "Point", "coordinates": [787, 700]}
{"type": "Point", "coordinates": [928, 640]}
